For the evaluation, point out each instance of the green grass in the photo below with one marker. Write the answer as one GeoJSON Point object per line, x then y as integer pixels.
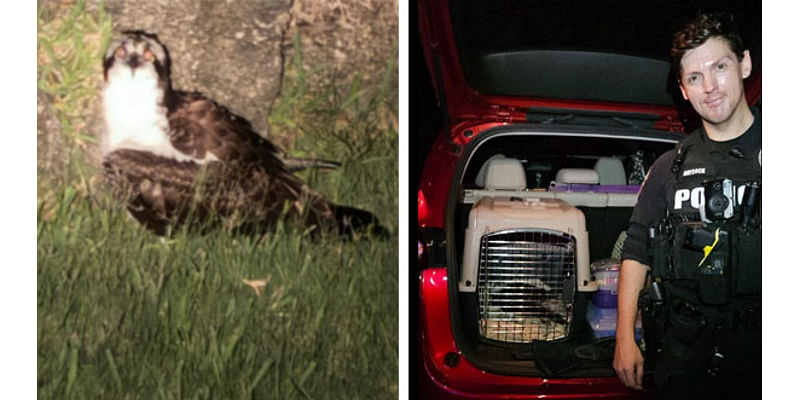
{"type": "Point", "coordinates": [69, 49]}
{"type": "Point", "coordinates": [124, 314]}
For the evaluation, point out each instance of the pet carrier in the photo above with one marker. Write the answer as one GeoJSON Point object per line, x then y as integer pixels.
{"type": "Point", "coordinates": [525, 258]}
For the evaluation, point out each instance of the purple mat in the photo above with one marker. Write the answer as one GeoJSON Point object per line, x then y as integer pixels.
{"type": "Point", "coordinates": [579, 187]}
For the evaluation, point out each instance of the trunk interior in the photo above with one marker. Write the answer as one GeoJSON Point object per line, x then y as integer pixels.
{"type": "Point", "coordinates": [533, 206]}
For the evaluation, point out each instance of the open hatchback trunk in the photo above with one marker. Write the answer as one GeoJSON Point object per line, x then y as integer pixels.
{"type": "Point", "coordinates": [537, 206]}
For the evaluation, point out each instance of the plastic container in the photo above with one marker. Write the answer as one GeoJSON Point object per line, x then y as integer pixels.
{"type": "Point", "coordinates": [604, 321]}
{"type": "Point", "coordinates": [605, 299]}
{"type": "Point", "coordinates": [606, 275]}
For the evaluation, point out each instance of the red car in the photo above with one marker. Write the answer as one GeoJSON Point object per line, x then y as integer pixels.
{"type": "Point", "coordinates": [554, 112]}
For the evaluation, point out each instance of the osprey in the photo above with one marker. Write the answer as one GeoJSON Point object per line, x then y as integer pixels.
{"type": "Point", "coordinates": [180, 158]}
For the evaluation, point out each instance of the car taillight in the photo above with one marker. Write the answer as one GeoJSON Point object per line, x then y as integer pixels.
{"type": "Point", "coordinates": [422, 206]}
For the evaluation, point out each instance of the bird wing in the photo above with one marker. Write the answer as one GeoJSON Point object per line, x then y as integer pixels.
{"type": "Point", "coordinates": [200, 128]}
{"type": "Point", "coordinates": [205, 130]}
{"type": "Point", "coordinates": [154, 188]}
{"type": "Point", "coordinates": [161, 192]}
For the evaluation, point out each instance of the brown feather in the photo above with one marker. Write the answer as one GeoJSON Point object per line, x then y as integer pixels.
{"type": "Point", "coordinates": [161, 192]}
{"type": "Point", "coordinates": [199, 125]}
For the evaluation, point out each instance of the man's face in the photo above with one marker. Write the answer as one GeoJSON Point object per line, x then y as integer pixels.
{"type": "Point", "coordinates": [711, 79]}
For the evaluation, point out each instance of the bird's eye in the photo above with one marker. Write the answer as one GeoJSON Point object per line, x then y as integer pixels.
{"type": "Point", "coordinates": [120, 52]}
{"type": "Point", "coordinates": [149, 55]}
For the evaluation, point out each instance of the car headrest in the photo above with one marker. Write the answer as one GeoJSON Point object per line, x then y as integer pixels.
{"type": "Point", "coordinates": [583, 176]}
{"type": "Point", "coordinates": [480, 180]}
{"type": "Point", "coordinates": [504, 174]}
{"type": "Point", "coordinates": [610, 171]}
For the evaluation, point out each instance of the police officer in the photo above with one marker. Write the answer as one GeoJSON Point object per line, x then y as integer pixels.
{"type": "Point", "coordinates": [705, 256]}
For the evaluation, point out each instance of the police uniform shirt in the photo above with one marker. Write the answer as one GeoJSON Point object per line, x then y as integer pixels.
{"type": "Point", "coordinates": [660, 191]}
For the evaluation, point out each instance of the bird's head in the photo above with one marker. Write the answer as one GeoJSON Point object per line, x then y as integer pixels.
{"type": "Point", "coordinates": [137, 52]}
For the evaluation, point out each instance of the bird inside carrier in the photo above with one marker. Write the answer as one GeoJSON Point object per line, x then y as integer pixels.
{"type": "Point", "coordinates": [525, 260]}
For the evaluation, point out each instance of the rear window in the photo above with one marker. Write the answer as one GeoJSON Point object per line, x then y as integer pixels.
{"type": "Point", "coordinates": [544, 155]}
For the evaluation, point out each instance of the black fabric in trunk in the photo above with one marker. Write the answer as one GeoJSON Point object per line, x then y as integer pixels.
{"type": "Point", "coordinates": [579, 350]}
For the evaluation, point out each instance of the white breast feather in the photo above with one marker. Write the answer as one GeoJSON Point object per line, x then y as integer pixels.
{"type": "Point", "coordinates": [134, 117]}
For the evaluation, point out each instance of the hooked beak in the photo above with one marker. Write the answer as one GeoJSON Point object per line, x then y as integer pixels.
{"type": "Point", "coordinates": [133, 61]}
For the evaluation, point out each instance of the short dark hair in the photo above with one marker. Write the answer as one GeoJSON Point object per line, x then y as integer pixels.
{"type": "Point", "coordinates": [699, 30]}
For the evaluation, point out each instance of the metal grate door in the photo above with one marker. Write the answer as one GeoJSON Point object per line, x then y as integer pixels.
{"type": "Point", "coordinates": [526, 282]}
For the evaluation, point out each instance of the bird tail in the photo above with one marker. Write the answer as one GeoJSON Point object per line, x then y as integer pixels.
{"type": "Point", "coordinates": [352, 221]}
{"type": "Point", "coordinates": [293, 164]}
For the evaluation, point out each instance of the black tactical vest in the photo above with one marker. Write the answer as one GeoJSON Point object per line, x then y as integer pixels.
{"type": "Point", "coordinates": [710, 254]}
